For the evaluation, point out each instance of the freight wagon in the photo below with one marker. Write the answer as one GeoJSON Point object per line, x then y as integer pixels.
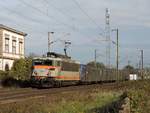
{"type": "Point", "coordinates": [94, 75]}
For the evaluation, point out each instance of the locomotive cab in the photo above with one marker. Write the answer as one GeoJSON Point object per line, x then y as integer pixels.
{"type": "Point", "coordinates": [44, 71]}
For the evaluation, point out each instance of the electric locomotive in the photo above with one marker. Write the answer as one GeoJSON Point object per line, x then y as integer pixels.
{"type": "Point", "coordinates": [54, 70]}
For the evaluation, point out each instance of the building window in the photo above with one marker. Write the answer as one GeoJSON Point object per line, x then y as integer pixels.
{"type": "Point", "coordinates": [14, 46]}
{"type": "Point", "coordinates": [20, 47]}
{"type": "Point", "coordinates": [6, 45]}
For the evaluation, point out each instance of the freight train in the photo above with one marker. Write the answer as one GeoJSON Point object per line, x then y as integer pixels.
{"type": "Point", "coordinates": [56, 70]}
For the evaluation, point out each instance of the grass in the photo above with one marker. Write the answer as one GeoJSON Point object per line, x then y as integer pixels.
{"type": "Point", "coordinates": [86, 103]}
{"type": "Point", "coordinates": [82, 101]}
{"type": "Point", "coordinates": [75, 102]}
{"type": "Point", "coordinates": [139, 96]}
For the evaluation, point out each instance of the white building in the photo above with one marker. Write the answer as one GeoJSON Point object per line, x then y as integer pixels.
{"type": "Point", "coordinates": [12, 46]}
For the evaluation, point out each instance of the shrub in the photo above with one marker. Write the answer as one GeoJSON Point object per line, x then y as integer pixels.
{"type": "Point", "coordinates": [21, 69]}
{"type": "Point", "coordinates": [19, 75]}
{"type": "Point", "coordinates": [3, 74]}
{"type": "Point", "coordinates": [8, 81]}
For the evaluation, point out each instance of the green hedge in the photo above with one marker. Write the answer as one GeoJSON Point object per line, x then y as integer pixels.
{"type": "Point", "coordinates": [19, 75]}
{"type": "Point", "coordinates": [21, 70]}
{"type": "Point", "coordinates": [3, 74]}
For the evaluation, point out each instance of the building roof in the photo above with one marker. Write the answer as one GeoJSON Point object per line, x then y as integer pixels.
{"type": "Point", "coordinates": [12, 30]}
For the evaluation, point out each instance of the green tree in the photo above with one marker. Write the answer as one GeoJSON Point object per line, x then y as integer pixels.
{"type": "Point", "coordinates": [129, 68]}
{"type": "Point", "coordinates": [21, 69]}
{"type": "Point", "coordinates": [98, 64]}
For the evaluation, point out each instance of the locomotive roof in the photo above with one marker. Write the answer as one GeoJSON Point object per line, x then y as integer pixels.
{"type": "Point", "coordinates": [47, 58]}
{"type": "Point", "coordinates": [56, 59]}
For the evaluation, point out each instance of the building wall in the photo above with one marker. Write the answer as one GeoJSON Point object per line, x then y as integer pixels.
{"type": "Point", "coordinates": [1, 41]}
{"type": "Point", "coordinates": [3, 63]}
{"type": "Point", "coordinates": [8, 57]}
{"type": "Point", "coordinates": [18, 38]}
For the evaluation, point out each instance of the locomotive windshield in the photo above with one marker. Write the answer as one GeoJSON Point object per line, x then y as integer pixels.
{"type": "Point", "coordinates": [40, 72]}
{"type": "Point", "coordinates": [43, 62]}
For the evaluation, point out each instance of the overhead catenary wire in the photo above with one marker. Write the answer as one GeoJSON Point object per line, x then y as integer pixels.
{"type": "Point", "coordinates": [89, 17]}
{"type": "Point", "coordinates": [72, 18]}
{"type": "Point", "coordinates": [22, 16]}
{"type": "Point", "coordinates": [44, 13]}
{"type": "Point", "coordinates": [53, 18]}
{"type": "Point", "coordinates": [23, 27]}
{"type": "Point", "coordinates": [59, 10]}
{"type": "Point", "coordinates": [35, 20]}
{"type": "Point", "coordinates": [27, 27]}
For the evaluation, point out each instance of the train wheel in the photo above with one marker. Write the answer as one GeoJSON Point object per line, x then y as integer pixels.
{"type": "Point", "coordinates": [58, 84]}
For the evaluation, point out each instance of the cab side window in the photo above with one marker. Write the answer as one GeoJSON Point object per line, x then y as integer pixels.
{"type": "Point", "coordinates": [58, 63]}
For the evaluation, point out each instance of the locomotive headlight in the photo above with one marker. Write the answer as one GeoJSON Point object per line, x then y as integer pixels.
{"type": "Point", "coordinates": [35, 73]}
{"type": "Point", "coordinates": [49, 73]}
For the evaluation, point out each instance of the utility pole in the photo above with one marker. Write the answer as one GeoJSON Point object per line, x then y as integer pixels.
{"type": "Point", "coordinates": [142, 61]}
{"type": "Point", "coordinates": [49, 41]}
{"type": "Point", "coordinates": [117, 62]}
{"type": "Point", "coordinates": [95, 57]}
{"type": "Point", "coordinates": [128, 61]}
{"type": "Point", "coordinates": [117, 52]}
{"type": "Point", "coordinates": [107, 34]}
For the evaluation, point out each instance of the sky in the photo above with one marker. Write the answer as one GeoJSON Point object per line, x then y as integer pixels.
{"type": "Point", "coordinates": [83, 23]}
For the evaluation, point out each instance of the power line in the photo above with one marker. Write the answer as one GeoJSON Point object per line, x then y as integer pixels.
{"type": "Point", "coordinates": [59, 10]}
{"type": "Point", "coordinates": [85, 13]}
{"type": "Point", "coordinates": [72, 18]}
{"type": "Point", "coordinates": [52, 17]}
{"type": "Point", "coordinates": [23, 26]}
{"type": "Point", "coordinates": [23, 16]}
{"type": "Point", "coordinates": [34, 20]}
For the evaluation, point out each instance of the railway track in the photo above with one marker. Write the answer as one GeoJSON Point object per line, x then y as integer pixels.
{"type": "Point", "coordinates": [17, 95]}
